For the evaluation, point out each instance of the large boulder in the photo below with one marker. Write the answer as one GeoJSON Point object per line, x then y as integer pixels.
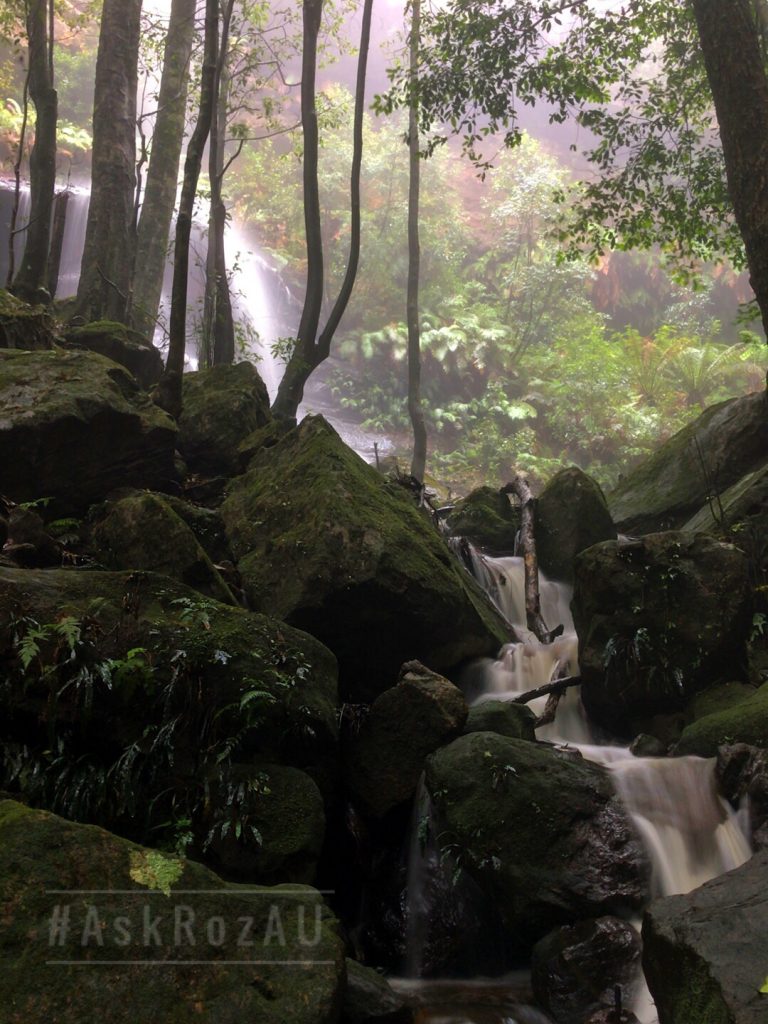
{"type": "Point", "coordinates": [121, 344]}
{"type": "Point", "coordinates": [74, 425]}
{"type": "Point", "coordinates": [575, 968]}
{"type": "Point", "coordinates": [747, 498]}
{"type": "Point", "coordinates": [658, 619]}
{"type": "Point", "coordinates": [142, 531]}
{"type": "Point", "coordinates": [704, 952]}
{"type": "Point", "coordinates": [746, 721]}
{"type": "Point", "coordinates": [726, 442]}
{"type": "Point", "coordinates": [153, 918]}
{"type": "Point", "coordinates": [154, 699]}
{"type": "Point", "coordinates": [541, 833]}
{"type": "Point", "coordinates": [504, 717]}
{"type": "Point", "coordinates": [222, 406]}
{"type": "Point", "coordinates": [325, 543]}
{"type": "Point", "coordinates": [571, 515]}
{"type": "Point", "coordinates": [405, 724]}
{"type": "Point", "coordinates": [487, 519]}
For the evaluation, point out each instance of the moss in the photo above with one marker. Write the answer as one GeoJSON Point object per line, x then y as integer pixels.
{"type": "Point", "coordinates": [718, 698]}
{"type": "Point", "coordinates": [487, 519]}
{"type": "Point", "coordinates": [40, 852]}
{"type": "Point", "coordinates": [324, 542]}
{"type": "Point", "coordinates": [746, 721]}
{"type": "Point", "coordinates": [23, 326]}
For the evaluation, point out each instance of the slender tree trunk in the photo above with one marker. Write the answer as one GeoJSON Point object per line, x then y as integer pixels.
{"type": "Point", "coordinates": [60, 206]}
{"type": "Point", "coordinates": [163, 174]}
{"type": "Point", "coordinates": [13, 229]}
{"type": "Point", "coordinates": [730, 43]}
{"type": "Point", "coordinates": [415, 411]}
{"type": "Point", "coordinates": [221, 324]}
{"type": "Point", "coordinates": [310, 349]}
{"type": "Point", "coordinates": [168, 395]}
{"type": "Point", "coordinates": [108, 257]}
{"type": "Point", "coordinates": [30, 281]}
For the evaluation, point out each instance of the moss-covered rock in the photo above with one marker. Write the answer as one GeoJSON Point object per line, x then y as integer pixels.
{"type": "Point", "coordinates": [121, 344]}
{"type": "Point", "coordinates": [542, 834]}
{"type": "Point", "coordinates": [74, 425]}
{"type": "Point", "coordinates": [222, 406]}
{"type": "Point", "coordinates": [405, 724]}
{"type": "Point", "coordinates": [487, 518]}
{"type": "Point", "coordinates": [665, 490]}
{"type": "Point", "coordinates": [748, 497]}
{"type": "Point", "coordinates": [704, 953]}
{"type": "Point", "coordinates": [277, 956]}
{"type": "Point", "coordinates": [324, 543]}
{"type": "Point", "coordinates": [370, 999]}
{"type": "Point", "coordinates": [658, 620]}
{"type": "Point", "coordinates": [207, 526]}
{"type": "Point", "coordinates": [143, 531]}
{"type": "Point", "coordinates": [515, 721]}
{"type": "Point", "coordinates": [718, 698]}
{"type": "Point", "coordinates": [571, 515]}
{"type": "Point", "coordinates": [148, 692]}
{"type": "Point", "coordinates": [22, 326]}
{"type": "Point", "coordinates": [743, 722]}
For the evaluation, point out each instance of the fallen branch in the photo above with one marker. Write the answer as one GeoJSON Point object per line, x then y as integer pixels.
{"type": "Point", "coordinates": [558, 686]}
{"type": "Point", "coordinates": [535, 622]}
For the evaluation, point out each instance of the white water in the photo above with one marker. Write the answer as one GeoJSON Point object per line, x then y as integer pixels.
{"type": "Point", "coordinates": [689, 831]}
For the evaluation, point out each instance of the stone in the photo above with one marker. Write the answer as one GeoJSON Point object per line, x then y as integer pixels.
{"type": "Point", "coordinates": [405, 724]}
{"type": "Point", "coordinates": [644, 745]}
{"type": "Point", "coordinates": [30, 328]}
{"type": "Point", "coordinates": [27, 534]}
{"type": "Point", "coordinates": [150, 693]}
{"type": "Point", "coordinates": [74, 425]}
{"type": "Point", "coordinates": [542, 835]}
{"type": "Point", "coordinates": [575, 968]}
{"type": "Point", "coordinates": [322, 541]}
{"type": "Point", "coordinates": [142, 531]}
{"type": "Point", "coordinates": [746, 498]}
{"type": "Point", "coordinates": [122, 345]}
{"type": "Point", "coordinates": [704, 952]}
{"type": "Point", "coordinates": [571, 515]}
{"type": "Point", "coordinates": [504, 717]}
{"type": "Point", "coordinates": [370, 999]}
{"type": "Point", "coordinates": [487, 519]}
{"type": "Point", "coordinates": [40, 852]}
{"type": "Point", "coordinates": [222, 406]}
{"type": "Point", "coordinates": [744, 722]}
{"type": "Point", "coordinates": [658, 620]}
{"type": "Point", "coordinates": [742, 773]}
{"type": "Point", "coordinates": [207, 526]}
{"type": "Point", "coordinates": [665, 490]}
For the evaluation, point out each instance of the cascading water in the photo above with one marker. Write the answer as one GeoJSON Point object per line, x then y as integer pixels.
{"type": "Point", "coordinates": [690, 832]}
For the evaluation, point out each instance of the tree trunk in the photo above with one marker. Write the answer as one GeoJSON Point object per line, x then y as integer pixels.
{"type": "Point", "coordinates": [108, 256]}
{"type": "Point", "coordinates": [302, 360]}
{"type": "Point", "coordinates": [30, 281]}
{"type": "Point", "coordinates": [310, 349]}
{"type": "Point", "coordinates": [168, 394]}
{"type": "Point", "coordinates": [415, 411]}
{"type": "Point", "coordinates": [163, 174]}
{"type": "Point", "coordinates": [730, 43]}
{"type": "Point", "coordinates": [221, 328]}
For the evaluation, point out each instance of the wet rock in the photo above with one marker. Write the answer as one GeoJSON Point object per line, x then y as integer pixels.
{"type": "Point", "coordinates": [222, 406]}
{"type": "Point", "coordinates": [142, 531]}
{"type": "Point", "coordinates": [74, 426]}
{"type": "Point", "coordinates": [28, 543]}
{"type": "Point", "coordinates": [742, 772]}
{"type": "Point", "coordinates": [503, 717]}
{"type": "Point", "coordinates": [543, 836]}
{"type": "Point", "coordinates": [325, 543]}
{"type": "Point", "coordinates": [575, 969]}
{"type": "Point", "coordinates": [405, 724]}
{"type": "Point", "coordinates": [747, 498]}
{"type": "Point", "coordinates": [370, 999]}
{"type": "Point", "coordinates": [40, 852]}
{"type": "Point", "coordinates": [664, 491]}
{"type": "Point", "coordinates": [658, 620]}
{"type": "Point", "coordinates": [120, 344]}
{"type": "Point", "coordinates": [704, 953]}
{"type": "Point", "coordinates": [744, 722]}
{"type": "Point", "coordinates": [157, 690]}
{"type": "Point", "coordinates": [283, 810]}
{"type": "Point", "coordinates": [644, 745]}
{"type": "Point", "coordinates": [571, 515]}
{"type": "Point", "coordinates": [487, 519]}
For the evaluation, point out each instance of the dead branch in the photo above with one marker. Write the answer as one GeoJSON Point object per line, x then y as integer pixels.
{"type": "Point", "coordinates": [535, 622]}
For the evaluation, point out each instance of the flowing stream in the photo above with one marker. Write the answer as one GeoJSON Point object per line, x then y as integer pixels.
{"type": "Point", "coordinates": [690, 832]}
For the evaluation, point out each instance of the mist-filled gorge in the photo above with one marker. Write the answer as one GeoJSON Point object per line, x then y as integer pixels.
{"type": "Point", "coordinates": [383, 511]}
